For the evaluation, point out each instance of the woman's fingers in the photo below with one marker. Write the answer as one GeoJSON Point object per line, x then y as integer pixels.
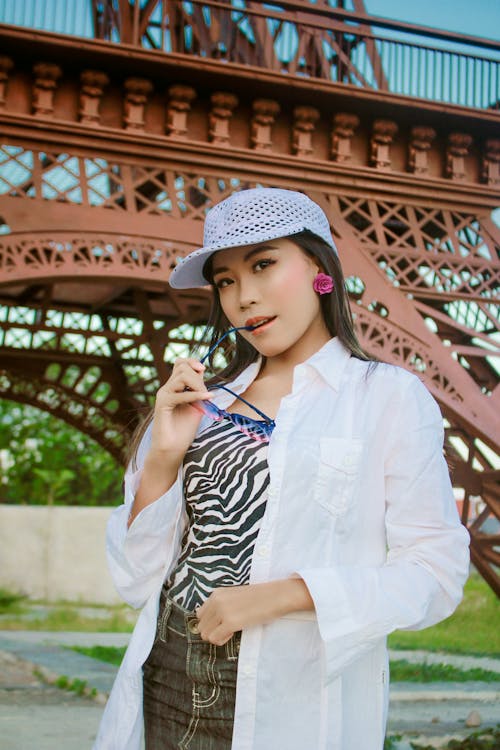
{"type": "Point", "coordinates": [214, 616]}
{"type": "Point", "coordinates": [193, 364]}
{"type": "Point", "coordinates": [184, 386]}
{"type": "Point", "coordinates": [187, 397]}
{"type": "Point", "coordinates": [214, 631]}
{"type": "Point", "coordinates": [219, 636]}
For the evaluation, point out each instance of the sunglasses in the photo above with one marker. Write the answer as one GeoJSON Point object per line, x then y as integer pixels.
{"type": "Point", "coordinates": [257, 429]}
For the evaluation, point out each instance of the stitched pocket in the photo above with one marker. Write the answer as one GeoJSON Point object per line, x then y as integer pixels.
{"type": "Point", "coordinates": [338, 469]}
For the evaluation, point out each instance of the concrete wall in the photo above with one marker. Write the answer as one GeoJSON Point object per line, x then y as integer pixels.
{"type": "Point", "coordinates": [55, 553]}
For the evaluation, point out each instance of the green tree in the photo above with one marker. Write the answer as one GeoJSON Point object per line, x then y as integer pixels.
{"type": "Point", "coordinates": [43, 460]}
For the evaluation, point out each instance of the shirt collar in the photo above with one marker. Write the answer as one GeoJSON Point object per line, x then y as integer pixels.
{"type": "Point", "coordinates": [329, 361]}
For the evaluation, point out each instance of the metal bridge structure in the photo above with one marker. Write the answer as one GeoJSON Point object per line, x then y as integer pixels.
{"type": "Point", "coordinates": [123, 121]}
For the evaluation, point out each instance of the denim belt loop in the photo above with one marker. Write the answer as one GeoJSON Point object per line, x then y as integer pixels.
{"type": "Point", "coordinates": [163, 622]}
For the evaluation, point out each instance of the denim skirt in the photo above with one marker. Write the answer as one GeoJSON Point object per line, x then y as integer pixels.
{"type": "Point", "coordinates": [189, 685]}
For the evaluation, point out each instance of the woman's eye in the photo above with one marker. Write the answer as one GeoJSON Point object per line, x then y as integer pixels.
{"type": "Point", "coordinates": [221, 283]}
{"type": "Point", "coordinates": [261, 264]}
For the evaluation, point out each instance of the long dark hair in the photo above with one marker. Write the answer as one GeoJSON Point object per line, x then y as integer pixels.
{"type": "Point", "coordinates": [335, 308]}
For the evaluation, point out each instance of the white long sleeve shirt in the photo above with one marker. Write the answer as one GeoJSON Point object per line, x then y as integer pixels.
{"type": "Point", "coordinates": [360, 506]}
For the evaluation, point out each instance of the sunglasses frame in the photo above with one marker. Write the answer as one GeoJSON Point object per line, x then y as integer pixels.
{"type": "Point", "coordinates": [257, 429]}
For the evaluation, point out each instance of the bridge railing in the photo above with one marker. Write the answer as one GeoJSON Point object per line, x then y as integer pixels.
{"type": "Point", "coordinates": [293, 38]}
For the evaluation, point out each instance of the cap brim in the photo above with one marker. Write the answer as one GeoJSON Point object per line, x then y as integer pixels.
{"type": "Point", "coordinates": [188, 274]}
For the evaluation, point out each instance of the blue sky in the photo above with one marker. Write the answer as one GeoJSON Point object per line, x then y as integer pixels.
{"type": "Point", "coordinates": [474, 17]}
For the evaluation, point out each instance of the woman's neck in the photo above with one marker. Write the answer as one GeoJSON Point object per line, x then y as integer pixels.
{"type": "Point", "coordinates": [282, 365]}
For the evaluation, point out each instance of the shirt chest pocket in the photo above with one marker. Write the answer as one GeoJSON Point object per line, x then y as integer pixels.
{"type": "Point", "coordinates": [338, 471]}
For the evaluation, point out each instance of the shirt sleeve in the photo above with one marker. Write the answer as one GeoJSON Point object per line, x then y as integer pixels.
{"type": "Point", "coordinates": [427, 561]}
{"type": "Point", "coordinates": [139, 557]}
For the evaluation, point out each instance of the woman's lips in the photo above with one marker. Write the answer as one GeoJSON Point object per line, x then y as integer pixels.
{"type": "Point", "coordinates": [262, 327]}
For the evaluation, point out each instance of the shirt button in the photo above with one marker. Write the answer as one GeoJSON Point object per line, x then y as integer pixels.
{"type": "Point", "coordinates": [349, 460]}
{"type": "Point", "coordinates": [247, 669]}
{"type": "Point", "coordinates": [264, 551]}
{"type": "Point", "coordinates": [193, 627]}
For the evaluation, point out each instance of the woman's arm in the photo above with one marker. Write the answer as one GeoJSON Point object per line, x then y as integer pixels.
{"type": "Point", "coordinates": [158, 475]}
{"type": "Point", "coordinates": [173, 428]}
{"type": "Point", "coordinates": [139, 554]}
{"type": "Point", "coordinates": [427, 563]}
{"type": "Point", "coordinates": [143, 535]}
{"type": "Point", "coordinates": [232, 608]}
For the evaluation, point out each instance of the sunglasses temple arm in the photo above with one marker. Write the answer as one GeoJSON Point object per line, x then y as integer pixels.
{"type": "Point", "coordinates": [214, 347]}
{"type": "Point", "coordinates": [259, 412]}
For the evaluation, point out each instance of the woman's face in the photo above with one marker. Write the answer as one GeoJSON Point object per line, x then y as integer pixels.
{"type": "Point", "coordinates": [272, 282]}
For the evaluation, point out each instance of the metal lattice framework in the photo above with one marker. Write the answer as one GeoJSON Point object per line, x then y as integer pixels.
{"type": "Point", "coordinates": [91, 229]}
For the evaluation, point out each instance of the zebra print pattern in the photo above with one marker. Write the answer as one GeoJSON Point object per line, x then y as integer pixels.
{"type": "Point", "coordinates": [225, 485]}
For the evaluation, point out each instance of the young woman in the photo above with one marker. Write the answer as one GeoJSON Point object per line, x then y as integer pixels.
{"type": "Point", "coordinates": [277, 527]}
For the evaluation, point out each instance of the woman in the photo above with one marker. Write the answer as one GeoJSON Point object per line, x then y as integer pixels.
{"type": "Point", "coordinates": [276, 528]}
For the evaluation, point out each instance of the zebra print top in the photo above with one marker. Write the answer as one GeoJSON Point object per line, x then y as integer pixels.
{"type": "Point", "coordinates": [225, 485]}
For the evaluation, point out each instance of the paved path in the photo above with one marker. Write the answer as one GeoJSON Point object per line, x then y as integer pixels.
{"type": "Point", "coordinates": [38, 716]}
{"type": "Point", "coordinates": [35, 715]}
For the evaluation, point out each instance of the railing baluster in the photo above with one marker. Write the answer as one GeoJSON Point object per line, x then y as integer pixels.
{"type": "Point", "coordinates": [481, 90]}
{"type": "Point", "coordinates": [451, 79]}
{"type": "Point", "coordinates": [466, 95]}
{"type": "Point", "coordinates": [367, 57]}
{"type": "Point", "coordinates": [423, 88]}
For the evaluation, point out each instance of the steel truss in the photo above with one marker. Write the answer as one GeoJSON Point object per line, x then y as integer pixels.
{"type": "Point", "coordinates": [91, 229]}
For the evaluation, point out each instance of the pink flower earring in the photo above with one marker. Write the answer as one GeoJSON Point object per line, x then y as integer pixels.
{"type": "Point", "coordinates": [323, 284]}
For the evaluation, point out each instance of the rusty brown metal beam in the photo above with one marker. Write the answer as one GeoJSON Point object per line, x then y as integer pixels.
{"type": "Point", "coordinates": [405, 188]}
{"type": "Point", "coordinates": [118, 59]}
{"type": "Point", "coordinates": [358, 16]}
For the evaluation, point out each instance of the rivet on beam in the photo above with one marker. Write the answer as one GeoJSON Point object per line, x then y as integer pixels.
{"type": "Point", "coordinates": [458, 149]}
{"type": "Point", "coordinates": [491, 162]}
{"type": "Point", "coordinates": [305, 122]}
{"type": "Point", "coordinates": [46, 77]}
{"type": "Point", "coordinates": [383, 135]}
{"type": "Point", "coordinates": [178, 107]}
{"type": "Point", "coordinates": [6, 65]}
{"type": "Point", "coordinates": [136, 97]}
{"type": "Point", "coordinates": [344, 125]}
{"type": "Point", "coordinates": [265, 112]}
{"type": "Point", "coordinates": [223, 105]}
{"type": "Point", "coordinates": [93, 83]}
{"type": "Point", "coordinates": [421, 138]}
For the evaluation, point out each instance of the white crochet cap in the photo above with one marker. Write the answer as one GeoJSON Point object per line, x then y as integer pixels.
{"type": "Point", "coordinates": [246, 218]}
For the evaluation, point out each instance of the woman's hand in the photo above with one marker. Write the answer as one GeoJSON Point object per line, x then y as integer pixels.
{"type": "Point", "coordinates": [232, 608]}
{"type": "Point", "coordinates": [173, 429]}
{"type": "Point", "coordinates": [175, 421]}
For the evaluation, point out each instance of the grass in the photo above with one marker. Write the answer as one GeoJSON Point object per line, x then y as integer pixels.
{"type": "Point", "coordinates": [401, 670]}
{"type": "Point", "coordinates": [63, 682]}
{"type": "Point", "coordinates": [404, 671]}
{"type": "Point", "coordinates": [77, 686]}
{"type": "Point", "coordinates": [472, 629]}
{"type": "Point", "coordinates": [65, 619]}
{"type": "Point", "coordinates": [485, 739]}
{"type": "Point", "coordinates": [63, 616]}
{"type": "Point", "coordinates": [10, 602]}
{"type": "Point", "coordinates": [391, 741]}
{"type": "Point", "coordinates": [111, 654]}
